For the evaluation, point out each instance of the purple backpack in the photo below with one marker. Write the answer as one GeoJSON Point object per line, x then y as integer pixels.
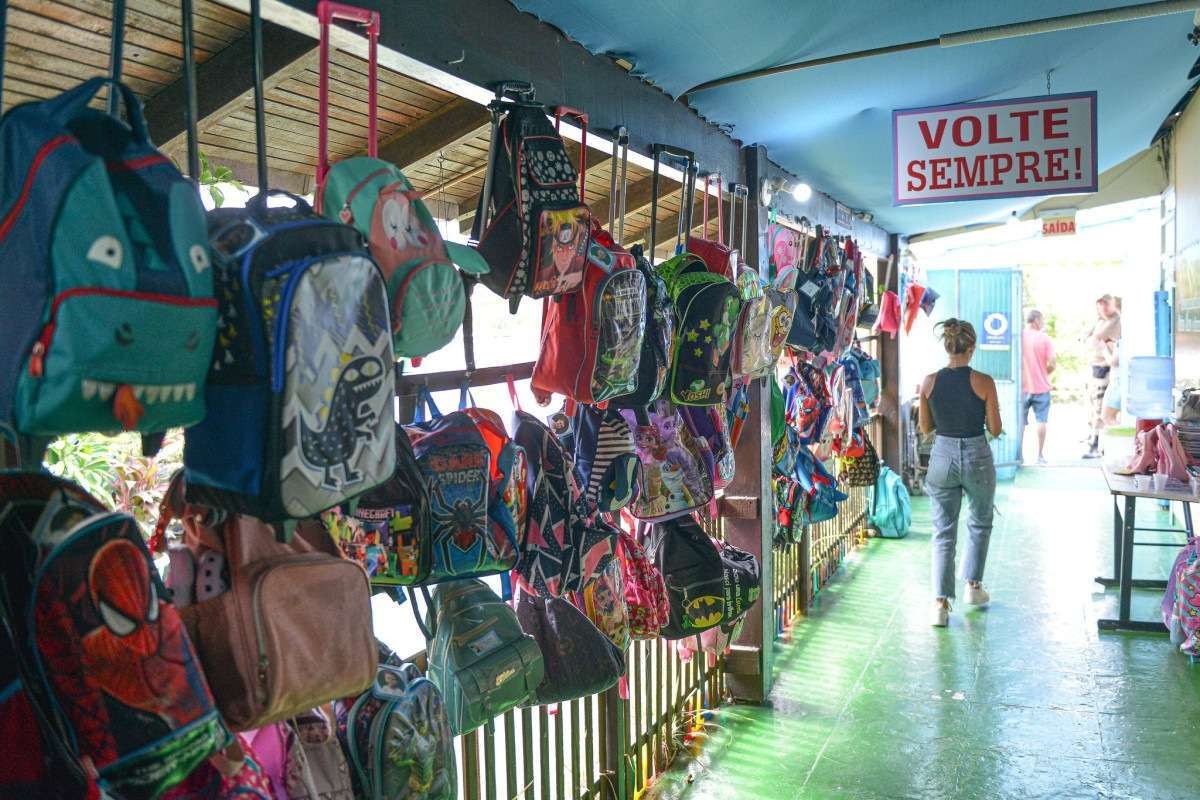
{"type": "Point", "coordinates": [675, 479]}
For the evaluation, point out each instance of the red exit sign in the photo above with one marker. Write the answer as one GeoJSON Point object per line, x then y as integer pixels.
{"type": "Point", "coordinates": [1059, 225]}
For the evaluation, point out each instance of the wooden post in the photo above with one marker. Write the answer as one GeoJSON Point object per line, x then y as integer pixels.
{"type": "Point", "coordinates": [748, 667]}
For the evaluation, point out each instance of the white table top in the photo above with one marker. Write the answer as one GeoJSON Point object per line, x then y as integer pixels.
{"type": "Point", "coordinates": [1124, 485]}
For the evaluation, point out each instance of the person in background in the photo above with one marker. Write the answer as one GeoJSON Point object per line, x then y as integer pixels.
{"type": "Point", "coordinates": [1112, 395]}
{"type": "Point", "coordinates": [1037, 362]}
{"type": "Point", "coordinates": [958, 404]}
{"type": "Point", "coordinates": [1106, 331]}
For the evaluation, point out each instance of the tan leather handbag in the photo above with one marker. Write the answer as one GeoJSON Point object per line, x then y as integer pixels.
{"type": "Point", "coordinates": [293, 631]}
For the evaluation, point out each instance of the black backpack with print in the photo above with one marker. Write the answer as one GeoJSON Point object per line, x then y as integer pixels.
{"type": "Point", "coordinates": [530, 224]}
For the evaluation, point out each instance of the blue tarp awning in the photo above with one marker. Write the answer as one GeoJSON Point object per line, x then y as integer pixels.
{"type": "Point", "coordinates": [832, 125]}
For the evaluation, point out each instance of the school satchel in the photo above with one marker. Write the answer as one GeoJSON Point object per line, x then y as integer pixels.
{"type": "Point", "coordinates": [398, 739]}
{"type": "Point", "coordinates": [479, 658]}
{"type": "Point", "coordinates": [579, 659]}
{"type": "Point", "coordinates": [674, 478]}
{"type": "Point", "coordinates": [301, 386]}
{"type": "Point", "coordinates": [692, 572]}
{"type": "Point", "coordinates": [536, 237]}
{"type": "Point", "coordinates": [706, 310]}
{"type": "Point", "coordinates": [592, 339]}
{"type": "Point", "coordinates": [102, 659]}
{"type": "Point", "coordinates": [316, 767]}
{"type": "Point", "coordinates": [109, 315]}
{"type": "Point", "coordinates": [555, 501]}
{"type": "Point", "coordinates": [654, 364]}
{"type": "Point", "coordinates": [294, 629]}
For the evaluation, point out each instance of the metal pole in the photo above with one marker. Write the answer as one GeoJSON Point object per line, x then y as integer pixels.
{"type": "Point", "coordinates": [191, 107]}
{"type": "Point", "coordinates": [116, 56]}
{"type": "Point", "coordinates": [975, 36]}
{"type": "Point", "coordinates": [624, 182]}
{"type": "Point", "coordinates": [260, 114]}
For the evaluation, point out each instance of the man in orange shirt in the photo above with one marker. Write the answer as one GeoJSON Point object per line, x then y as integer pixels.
{"type": "Point", "coordinates": [1037, 362]}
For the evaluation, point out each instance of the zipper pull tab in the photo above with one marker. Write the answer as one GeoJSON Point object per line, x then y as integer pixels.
{"type": "Point", "coordinates": [37, 360]}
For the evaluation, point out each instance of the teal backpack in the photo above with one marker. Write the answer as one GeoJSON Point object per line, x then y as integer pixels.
{"type": "Point", "coordinates": [428, 300]}
{"type": "Point", "coordinates": [105, 271]}
{"type": "Point", "coordinates": [479, 658]}
{"type": "Point", "coordinates": [893, 510]}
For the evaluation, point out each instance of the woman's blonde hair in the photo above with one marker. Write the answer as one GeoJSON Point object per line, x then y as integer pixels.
{"type": "Point", "coordinates": [957, 335]}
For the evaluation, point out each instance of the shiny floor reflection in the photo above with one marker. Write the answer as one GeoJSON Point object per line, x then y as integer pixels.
{"type": "Point", "coordinates": [1023, 699]}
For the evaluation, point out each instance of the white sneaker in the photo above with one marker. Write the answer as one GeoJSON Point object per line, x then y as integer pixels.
{"type": "Point", "coordinates": [941, 614]}
{"type": "Point", "coordinates": [976, 596]}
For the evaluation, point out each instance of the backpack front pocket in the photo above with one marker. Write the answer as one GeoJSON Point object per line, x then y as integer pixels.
{"type": "Point", "coordinates": [109, 359]}
{"type": "Point", "coordinates": [561, 252]}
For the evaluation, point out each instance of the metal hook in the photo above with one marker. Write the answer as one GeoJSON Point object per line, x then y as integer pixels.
{"type": "Point", "coordinates": [462, 56]}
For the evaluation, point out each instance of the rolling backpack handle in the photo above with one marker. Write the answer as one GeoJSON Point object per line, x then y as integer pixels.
{"type": "Point", "coordinates": [582, 118]}
{"type": "Point", "coordinates": [739, 192]}
{"type": "Point", "coordinates": [523, 91]}
{"type": "Point", "coordinates": [327, 12]}
{"type": "Point", "coordinates": [617, 189]}
{"type": "Point", "coordinates": [689, 159]}
{"type": "Point", "coordinates": [715, 177]}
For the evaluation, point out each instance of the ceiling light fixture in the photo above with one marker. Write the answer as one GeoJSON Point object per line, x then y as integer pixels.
{"type": "Point", "coordinates": [801, 192]}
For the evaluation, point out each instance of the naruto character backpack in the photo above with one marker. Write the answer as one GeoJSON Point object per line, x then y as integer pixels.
{"type": "Point", "coordinates": [105, 272]}
{"type": "Point", "coordinates": [706, 309]}
{"type": "Point", "coordinates": [101, 656]}
{"type": "Point", "coordinates": [536, 234]}
{"type": "Point", "coordinates": [300, 390]}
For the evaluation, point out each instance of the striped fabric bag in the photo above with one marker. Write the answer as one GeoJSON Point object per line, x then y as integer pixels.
{"type": "Point", "coordinates": [605, 458]}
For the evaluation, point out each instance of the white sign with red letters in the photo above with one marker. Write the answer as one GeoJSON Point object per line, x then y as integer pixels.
{"type": "Point", "coordinates": [1006, 148]}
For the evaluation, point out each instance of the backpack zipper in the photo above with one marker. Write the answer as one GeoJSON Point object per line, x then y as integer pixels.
{"type": "Point", "coordinates": [37, 354]}
{"type": "Point", "coordinates": [264, 661]}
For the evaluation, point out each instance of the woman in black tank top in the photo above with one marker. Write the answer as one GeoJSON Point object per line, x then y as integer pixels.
{"type": "Point", "coordinates": [958, 404]}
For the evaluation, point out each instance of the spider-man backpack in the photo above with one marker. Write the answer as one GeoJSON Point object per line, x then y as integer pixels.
{"type": "Point", "coordinates": [96, 655]}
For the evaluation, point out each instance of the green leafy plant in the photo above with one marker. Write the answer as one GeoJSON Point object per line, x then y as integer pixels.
{"type": "Point", "coordinates": [114, 471]}
{"type": "Point", "coordinates": [213, 176]}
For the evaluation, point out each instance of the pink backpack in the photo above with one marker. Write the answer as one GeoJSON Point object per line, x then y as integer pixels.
{"type": "Point", "coordinates": [645, 591]}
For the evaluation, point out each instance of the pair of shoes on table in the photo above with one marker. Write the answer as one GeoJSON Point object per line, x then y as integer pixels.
{"type": "Point", "coordinates": [974, 596]}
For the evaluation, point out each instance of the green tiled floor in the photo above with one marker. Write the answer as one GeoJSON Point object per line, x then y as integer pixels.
{"type": "Point", "coordinates": [1021, 700]}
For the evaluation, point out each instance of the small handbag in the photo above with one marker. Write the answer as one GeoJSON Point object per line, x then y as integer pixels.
{"type": "Point", "coordinates": [859, 461]}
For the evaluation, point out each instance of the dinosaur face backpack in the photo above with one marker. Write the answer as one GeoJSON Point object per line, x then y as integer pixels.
{"type": "Point", "coordinates": [479, 658]}
{"type": "Point", "coordinates": [674, 479]}
{"type": "Point", "coordinates": [592, 338]}
{"type": "Point", "coordinates": [473, 530]}
{"type": "Point", "coordinates": [301, 386]}
{"type": "Point", "coordinates": [398, 739]}
{"type": "Point", "coordinates": [706, 309]}
{"type": "Point", "coordinates": [531, 226]}
{"type": "Point", "coordinates": [107, 277]}
{"type": "Point", "coordinates": [102, 656]}
{"type": "Point", "coordinates": [579, 660]}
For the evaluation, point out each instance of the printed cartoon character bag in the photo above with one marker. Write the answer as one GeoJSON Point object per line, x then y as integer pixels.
{"type": "Point", "coordinates": [388, 531]}
{"type": "Point", "coordinates": [706, 310]}
{"type": "Point", "coordinates": [645, 592]}
{"type": "Point", "coordinates": [531, 225]}
{"type": "Point", "coordinates": [103, 656]}
{"type": "Point", "coordinates": [301, 385]}
{"type": "Point", "coordinates": [674, 478]}
{"type": "Point", "coordinates": [398, 739]}
{"type": "Point", "coordinates": [693, 574]}
{"type": "Point", "coordinates": [109, 314]}
{"type": "Point", "coordinates": [474, 531]}
{"type": "Point", "coordinates": [654, 365]}
{"type": "Point", "coordinates": [603, 602]}
{"type": "Point", "coordinates": [762, 327]}
{"type": "Point", "coordinates": [555, 501]}
{"type": "Point", "coordinates": [592, 339]}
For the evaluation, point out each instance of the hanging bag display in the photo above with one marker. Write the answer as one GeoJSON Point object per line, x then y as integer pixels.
{"type": "Point", "coordinates": [603, 602]}
{"type": "Point", "coordinates": [578, 659]}
{"type": "Point", "coordinates": [376, 199]}
{"type": "Point", "coordinates": [398, 740]}
{"type": "Point", "coordinates": [301, 386]}
{"type": "Point", "coordinates": [479, 658]}
{"type": "Point", "coordinates": [591, 341]}
{"type": "Point", "coordinates": [101, 657]}
{"type": "Point", "coordinates": [531, 224]}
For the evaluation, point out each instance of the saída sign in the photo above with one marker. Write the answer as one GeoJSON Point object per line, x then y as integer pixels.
{"type": "Point", "coordinates": [1006, 148]}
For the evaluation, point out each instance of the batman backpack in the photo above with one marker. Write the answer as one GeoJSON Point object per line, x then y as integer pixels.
{"type": "Point", "coordinates": [300, 391]}
{"type": "Point", "coordinates": [105, 273]}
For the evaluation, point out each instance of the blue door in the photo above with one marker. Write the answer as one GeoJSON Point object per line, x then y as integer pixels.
{"type": "Point", "coordinates": [990, 299]}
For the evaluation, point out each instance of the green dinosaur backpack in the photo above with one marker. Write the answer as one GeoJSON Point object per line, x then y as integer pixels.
{"type": "Point", "coordinates": [426, 291]}
{"type": "Point", "coordinates": [479, 658]}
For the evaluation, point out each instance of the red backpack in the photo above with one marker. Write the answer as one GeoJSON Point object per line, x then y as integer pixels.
{"type": "Point", "coordinates": [592, 339]}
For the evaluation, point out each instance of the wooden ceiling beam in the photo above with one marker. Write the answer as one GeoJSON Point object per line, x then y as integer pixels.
{"type": "Point", "coordinates": [458, 121]}
{"type": "Point", "coordinates": [225, 81]}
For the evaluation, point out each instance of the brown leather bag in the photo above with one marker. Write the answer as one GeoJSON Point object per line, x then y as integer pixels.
{"type": "Point", "coordinates": [293, 631]}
